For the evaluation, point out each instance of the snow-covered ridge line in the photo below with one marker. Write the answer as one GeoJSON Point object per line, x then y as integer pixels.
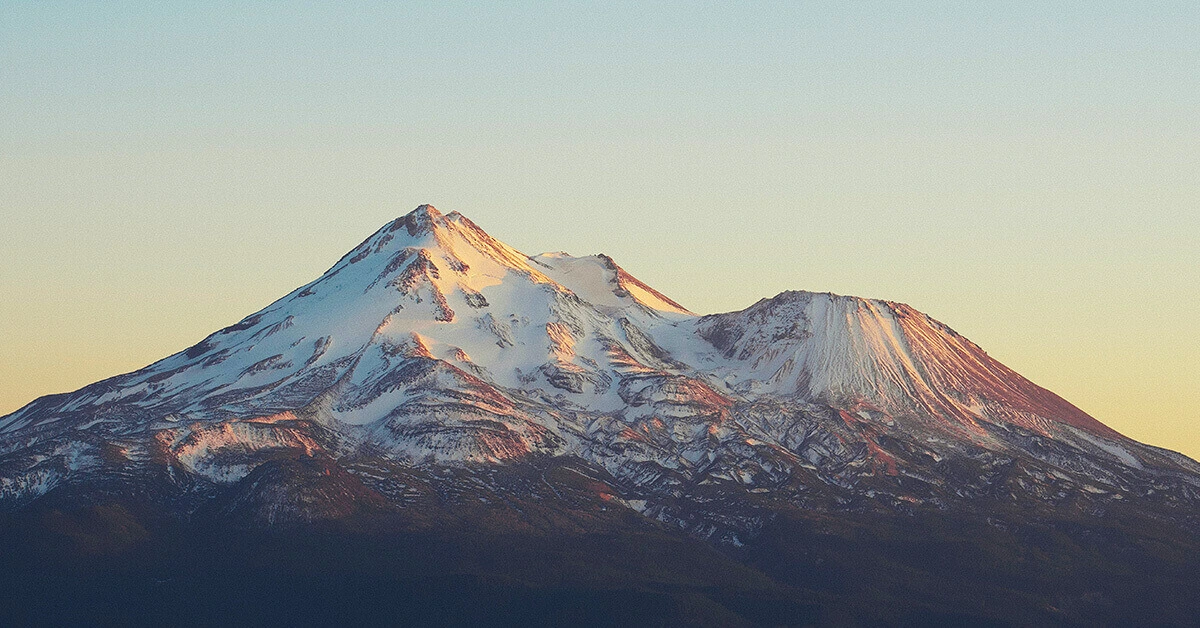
{"type": "Point", "coordinates": [431, 340]}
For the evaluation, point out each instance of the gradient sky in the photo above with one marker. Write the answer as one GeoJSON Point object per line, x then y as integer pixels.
{"type": "Point", "coordinates": [1026, 172]}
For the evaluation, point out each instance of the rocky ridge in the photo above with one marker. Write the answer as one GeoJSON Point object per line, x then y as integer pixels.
{"type": "Point", "coordinates": [433, 351]}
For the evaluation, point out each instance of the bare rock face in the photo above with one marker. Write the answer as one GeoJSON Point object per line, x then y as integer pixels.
{"type": "Point", "coordinates": [433, 349]}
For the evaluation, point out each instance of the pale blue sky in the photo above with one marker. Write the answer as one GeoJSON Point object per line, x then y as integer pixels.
{"type": "Point", "coordinates": [1027, 172]}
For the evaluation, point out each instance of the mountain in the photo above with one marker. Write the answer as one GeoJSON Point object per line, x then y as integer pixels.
{"type": "Point", "coordinates": [437, 381]}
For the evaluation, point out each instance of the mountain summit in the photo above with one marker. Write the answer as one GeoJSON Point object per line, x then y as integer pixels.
{"type": "Point", "coordinates": [433, 359]}
{"type": "Point", "coordinates": [432, 341]}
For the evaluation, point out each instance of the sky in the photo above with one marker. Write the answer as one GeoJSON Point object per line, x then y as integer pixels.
{"type": "Point", "coordinates": [1026, 172]}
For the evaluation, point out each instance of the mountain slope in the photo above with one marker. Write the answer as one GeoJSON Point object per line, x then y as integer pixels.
{"type": "Point", "coordinates": [433, 340]}
{"type": "Point", "coordinates": [435, 376]}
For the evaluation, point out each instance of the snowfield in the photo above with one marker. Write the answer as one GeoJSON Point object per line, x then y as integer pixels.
{"type": "Point", "coordinates": [433, 343]}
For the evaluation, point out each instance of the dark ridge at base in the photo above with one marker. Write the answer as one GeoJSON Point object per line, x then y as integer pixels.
{"type": "Point", "coordinates": [112, 565]}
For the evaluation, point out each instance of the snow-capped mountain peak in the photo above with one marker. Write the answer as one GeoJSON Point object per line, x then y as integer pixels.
{"type": "Point", "coordinates": [436, 381]}
{"type": "Point", "coordinates": [433, 341]}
